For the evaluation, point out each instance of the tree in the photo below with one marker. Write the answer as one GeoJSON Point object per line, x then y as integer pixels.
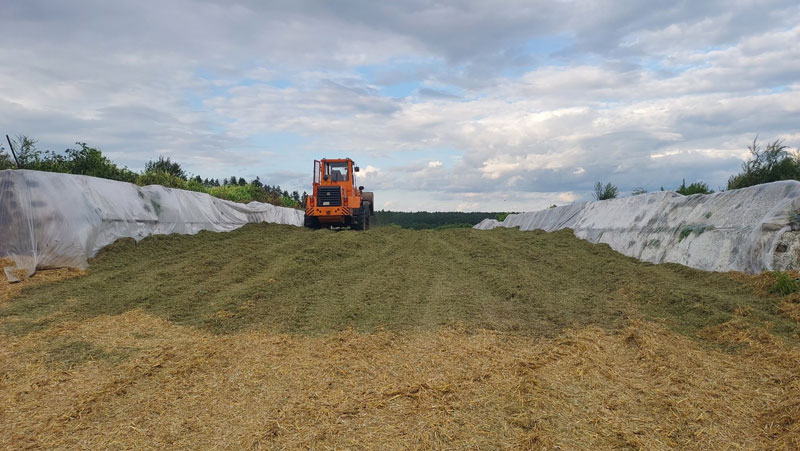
{"type": "Point", "coordinates": [242, 181]}
{"type": "Point", "coordinates": [27, 154]}
{"type": "Point", "coordinates": [694, 188]}
{"type": "Point", "coordinates": [165, 165]}
{"type": "Point", "coordinates": [766, 165]}
{"type": "Point", "coordinates": [257, 183]}
{"type": "Point", "coordinates": [608, 191]}
{"type": "Point", "coordinates": [5, 160]}
{"type": "Point", "coordinates": [638, 190]}
{"type": "Point", "coordinates": [233, 180]}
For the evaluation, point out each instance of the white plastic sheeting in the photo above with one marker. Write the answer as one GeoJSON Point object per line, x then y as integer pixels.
{"type": "Point", "coordinates": [50, 220]}
{"type": "Point", "coordinates": [737, 230]}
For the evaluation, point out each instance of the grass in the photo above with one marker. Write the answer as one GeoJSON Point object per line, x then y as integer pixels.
{"type": "Point", "coordinates": [279, 337]}
{"type": "Point", "coordinates": [784, 284]}
{"type": "Point", "coordinates": [72, 353]}
{"type": "Point", "coordinates": [291, 280]}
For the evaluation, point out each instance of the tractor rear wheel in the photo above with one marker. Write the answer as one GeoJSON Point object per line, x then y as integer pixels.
{"type": "Point", "coordinates": [364, 219]}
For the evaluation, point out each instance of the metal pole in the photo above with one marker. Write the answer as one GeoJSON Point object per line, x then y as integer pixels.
{"type": "Point", "coordinates": [12, 151]}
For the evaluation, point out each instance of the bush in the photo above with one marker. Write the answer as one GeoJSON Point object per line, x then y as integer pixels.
{"type": "Point", "coordinates": [694, 188]}
{"type": "Point", "coordinates": [162, 178]}
{"type": "Point", "coordinates": [90, 161]}
{"type": "Point", "coordinates": [84, 161]}
{"type": "Point", "coordinates": [236, 193]}
{"type": "Point", "coordinates": [765, 165]}
{"type": "Point", "coordinates": [608, 191]}
{"type": "Point", "coordinates": [288, 201]}
{"type": "Point", "coordinates": [165, 165]}
{"type": "Point", "coordinates": [27, 154]}
{"type": "Point", "coordinates": [6, 162]}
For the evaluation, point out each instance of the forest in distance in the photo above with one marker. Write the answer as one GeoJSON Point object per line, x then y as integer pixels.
{"type": "Point", "coordinates": [432, 219]}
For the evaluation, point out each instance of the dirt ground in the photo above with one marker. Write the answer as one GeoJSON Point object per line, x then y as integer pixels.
{"type": "Point", "coordinates": [628, 356]}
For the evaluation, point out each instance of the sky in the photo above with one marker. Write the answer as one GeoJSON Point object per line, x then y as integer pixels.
{"type": "Point", "coordinates": [445, 105]}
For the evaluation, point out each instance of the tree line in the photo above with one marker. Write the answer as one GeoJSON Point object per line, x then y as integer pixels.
{"type": "Point", "coordinates": [766, 164]}
{"type": "Point", "coordinates": [772, 163]}
{"type": "Point", "coordinates": [431, 220]}
{"type": "Point", "coordinates": [87, 160]}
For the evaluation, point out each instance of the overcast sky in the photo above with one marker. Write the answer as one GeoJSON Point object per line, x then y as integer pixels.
{"type": "Point", "coordinates": [452, 105]}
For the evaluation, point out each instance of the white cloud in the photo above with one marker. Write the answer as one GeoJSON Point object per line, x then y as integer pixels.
{"type": "Point", "coordinates": [542, 101]}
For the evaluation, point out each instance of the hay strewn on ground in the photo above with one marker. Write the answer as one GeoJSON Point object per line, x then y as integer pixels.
{"type": "Point", "coordinates": [9, 290]}
{"type": "Point", "coordinates": [137, 381]}
{"type": "Point", "coordinates": [277, 337]}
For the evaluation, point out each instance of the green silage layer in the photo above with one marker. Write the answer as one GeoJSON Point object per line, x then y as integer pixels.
{"type": "Point", "coordinates": [289, 279]}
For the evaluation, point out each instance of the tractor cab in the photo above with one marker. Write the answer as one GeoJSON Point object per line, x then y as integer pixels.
{"type": "Point", "coordinates": [335, 171]}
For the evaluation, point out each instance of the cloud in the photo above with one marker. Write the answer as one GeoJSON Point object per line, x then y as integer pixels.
{"type": "Point", "coordinates": [436, 94]}
{"type": "Point", "coordinates": [452, 100]}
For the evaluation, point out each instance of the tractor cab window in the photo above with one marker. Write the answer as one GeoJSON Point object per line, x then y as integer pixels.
{"type": "Point", "coordinates": [336, 172]}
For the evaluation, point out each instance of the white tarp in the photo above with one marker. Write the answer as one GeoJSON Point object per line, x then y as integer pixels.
{"type": "Point", "coordinates": [736, 230]}
{"type": "Point", "coordinates": [50, 220]}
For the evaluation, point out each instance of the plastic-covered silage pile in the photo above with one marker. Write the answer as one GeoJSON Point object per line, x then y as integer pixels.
{"type": "Point", "coordinates": [749, 230]}
{"type": "Point", "coordinates": [62, 220]}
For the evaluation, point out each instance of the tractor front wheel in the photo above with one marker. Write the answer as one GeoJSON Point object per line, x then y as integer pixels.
{"type": "Point", "coordinates": [312, 222]}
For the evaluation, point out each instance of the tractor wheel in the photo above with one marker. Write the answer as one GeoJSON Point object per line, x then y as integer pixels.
{"type": "Point", "coordinates": [360, 225]}
{"type": "Point", "coordinates": [311, 222]}
{"type": "Point", "coordinates": [365, 215]}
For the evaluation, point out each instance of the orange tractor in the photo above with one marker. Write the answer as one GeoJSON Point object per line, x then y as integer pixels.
{"type": "Point", "coordinates": [335, 200]}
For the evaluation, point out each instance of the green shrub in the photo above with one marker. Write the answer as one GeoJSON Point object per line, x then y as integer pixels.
{"type": "Point", "coordinates": [165, 165]}
{"type": "Point", "coordinates": [83, 161]}
{"type": "Point", "coordinates": [766, 165]}
{"type": "Point", "coordinates": [161, 178]}
{"type": "Point", "coordinates": [237, 193]}
{"type": "Point", "coordinates": [90, 161]}
{"type": "Point", "coordinates": [288, 201]}
{"type": "Point", "coordinates": [194, 185]}
{"type": "Point", "coordinates": [608, 191]}
{"type": "Point", "coordinates": [502, 216]}
{"type": "Point", "coordinates": [694, 188]}
{"type": "Point", "coordinates": [6, 162]}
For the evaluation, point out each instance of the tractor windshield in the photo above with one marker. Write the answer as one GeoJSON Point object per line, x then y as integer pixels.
{"type": "Point", "coordinates": [336, 172]}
